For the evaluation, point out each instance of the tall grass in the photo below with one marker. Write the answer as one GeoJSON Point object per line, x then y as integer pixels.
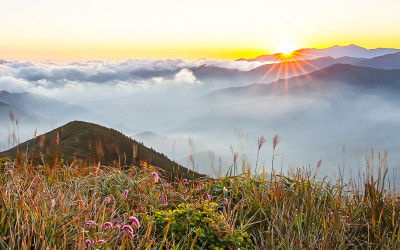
{"type": "Point", "coordinates": [61, 206]}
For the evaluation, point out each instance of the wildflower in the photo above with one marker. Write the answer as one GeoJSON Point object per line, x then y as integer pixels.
{"type": "Point", "coordinates": [184, 180]}
{"type": "Point", "coordinates": [89, 242]}
{"type": "Point", "coordinates": [208, 197]}
{"type": "Point", "coordinates": [101, 242]}
{"type": "Point", "coordinates": [261, 141]}
{"type": "Point", "coordinates": [277, 139]}
{"type": "Point", "coordinates": [130, 235]}
{"type": "Point", "coordinates": [125, 194]}
{"type": "Point", "coordinates": [107, 225]}
{"type": "Point", "coordinates": [127, 228]}
{"type": "Point", "coordinates": [116, 224]}
{"type": "Point", "coordinates": [107, 199]}
{"type": "Point", "coordinates": [155, 176]}
{"type": "Point", "coordinates": [135, 221]}
{"type": "Point", "coordinates": [90, 223]}
{"type": "Point", "coordinates": [225, 200]}
{"type": "Point", "coordinates": [165, 200]}
{"type": "Point", "coordinates": [319, 163]}
{"type": "Point", "coordinates": [199, 185]}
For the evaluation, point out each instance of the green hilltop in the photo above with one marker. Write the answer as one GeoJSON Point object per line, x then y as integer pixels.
{"type": "Point", "coordinates": [87, 143]}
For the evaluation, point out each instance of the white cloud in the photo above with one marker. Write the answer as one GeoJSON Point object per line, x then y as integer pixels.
{"type": "Point", "coordinates": [12, 84]}
{"type": "Point", "coordinates": [49, 74]}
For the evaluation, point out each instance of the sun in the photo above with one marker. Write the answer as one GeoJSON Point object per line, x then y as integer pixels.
{"type": "Point", "coordinates": [286, 49]}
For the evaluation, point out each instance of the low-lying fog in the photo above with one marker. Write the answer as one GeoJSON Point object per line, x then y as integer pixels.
{"type": "Point", "coordinates": [165, 105]}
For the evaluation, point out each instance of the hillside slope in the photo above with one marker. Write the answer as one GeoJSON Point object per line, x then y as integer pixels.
{"type": "Point", "coordinates": [89, 143]}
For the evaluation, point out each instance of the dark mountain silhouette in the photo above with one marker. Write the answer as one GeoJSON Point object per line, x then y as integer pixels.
{"type": "Point", "coordinates": [83, 142]}
{"type": "Point", "coordinates": [390, 61]}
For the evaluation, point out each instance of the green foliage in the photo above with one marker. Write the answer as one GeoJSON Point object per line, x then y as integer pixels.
{"type": "Point", "coordinates": [200, 225]}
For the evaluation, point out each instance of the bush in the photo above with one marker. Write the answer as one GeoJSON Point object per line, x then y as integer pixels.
{"type": "Point", "coordinates": [201, 226]}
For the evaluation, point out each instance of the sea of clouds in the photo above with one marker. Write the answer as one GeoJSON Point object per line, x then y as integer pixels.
{"type": "Point", "coordinates": [166, 98]}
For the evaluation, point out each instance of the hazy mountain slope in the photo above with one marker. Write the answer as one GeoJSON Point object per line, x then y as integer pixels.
{"type": "Point", "coordinates": [92, 143]}
{"type": "Point", "coordinates": [390, 61]}
{"type": "Point", "coordinates": [266, 73]}
{"type": "Point", "coordinates": [50, 109]}
{"type": "Point", "coordinates": [366, 78]}
{"type": "Point", "coordinates": [18, 114]}
{"type": "Point", "coordinates": [341, 105]}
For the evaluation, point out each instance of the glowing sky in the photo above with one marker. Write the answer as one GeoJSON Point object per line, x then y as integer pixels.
{"type": "Point", "coordinates": [225, 29]}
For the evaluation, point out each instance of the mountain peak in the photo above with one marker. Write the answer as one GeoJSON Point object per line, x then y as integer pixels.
{"type": "Point", "coordinates": [90, 144]}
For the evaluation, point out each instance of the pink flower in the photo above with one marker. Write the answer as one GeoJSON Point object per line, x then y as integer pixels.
{"type": "Point", "coordinates": [208, 198]}
{"type": "Point", "coordinates": [125, 194]}
{"type": "Point", "coordinates": [101, 242]}
{"type": "Point", "coordinates": [127, 228]}
{"type": "Point", "coordinates": [90, 223]}
{"type": "Point", "coordinates": [165, 199]}
{"type": "Point", "coordinates": [116, 224]}
{"type": "Point", "coordinates": [107, 225]}
{"type": "Point", "coordinates": [199, 186]}
{"type": "Point", "coordinates": [155, 176]}
{"type": "Point", "coordinates": [135, 221]}
{"type": "Point", "coordinates": [107, 199]}
{"type": "Point", "coordinates": [185, 180]}
{"type": "Point", "coordinates": [89, 242]}
{"type": "Point", "coordinates": [225, 200]}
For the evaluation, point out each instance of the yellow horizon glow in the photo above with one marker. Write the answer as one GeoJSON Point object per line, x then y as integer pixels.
{"type": "Point", "coordinates": [63, 31]}
{"type": "Point", "coordinates": [82, 52]}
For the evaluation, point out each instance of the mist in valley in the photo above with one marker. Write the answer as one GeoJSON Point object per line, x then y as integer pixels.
{"type": "Point", "coordinates": [201, 119]}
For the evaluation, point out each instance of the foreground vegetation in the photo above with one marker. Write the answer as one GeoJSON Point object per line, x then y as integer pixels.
{"type": "Point", "coordinates": [63, 206]}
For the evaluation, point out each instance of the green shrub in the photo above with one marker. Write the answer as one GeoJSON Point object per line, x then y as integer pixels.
{"type": "Point", "coordinates": [201, 225]}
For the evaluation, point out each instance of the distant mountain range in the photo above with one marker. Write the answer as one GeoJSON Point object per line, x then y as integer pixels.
{"type": "Point", "coordinates": [389, 61]}
{"type": "Point", "coordinates": [43, 108]}
{"type": "Point", "coordinates": [334, 96]}
{"type": "Point", "coordinates": [334, 51]}
{"type": "Point", "coordinates": [280, 70]}
{"type": "Point", "coordinates": [88, 143]}
{"type": "Point", "coordinates": [365, 78]}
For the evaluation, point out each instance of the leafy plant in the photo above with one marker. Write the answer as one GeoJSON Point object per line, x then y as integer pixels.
{"type": "Point", "coordinates": [201, 226]}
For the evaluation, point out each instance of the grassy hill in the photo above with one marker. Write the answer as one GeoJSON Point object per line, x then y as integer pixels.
{"type": "Point", "coordinates": [88, 143]}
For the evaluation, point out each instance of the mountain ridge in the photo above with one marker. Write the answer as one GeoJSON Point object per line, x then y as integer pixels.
{"type": "Point", "coordinates": [352, 74]}
{"type": "Point", "coordinates": [335, 51]}
{"type": "Point", "coordinates": [89, 143]}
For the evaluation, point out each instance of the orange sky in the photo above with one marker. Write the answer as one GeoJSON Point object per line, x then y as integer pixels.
{"type": "Point", "coordinates": [45, 30]}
